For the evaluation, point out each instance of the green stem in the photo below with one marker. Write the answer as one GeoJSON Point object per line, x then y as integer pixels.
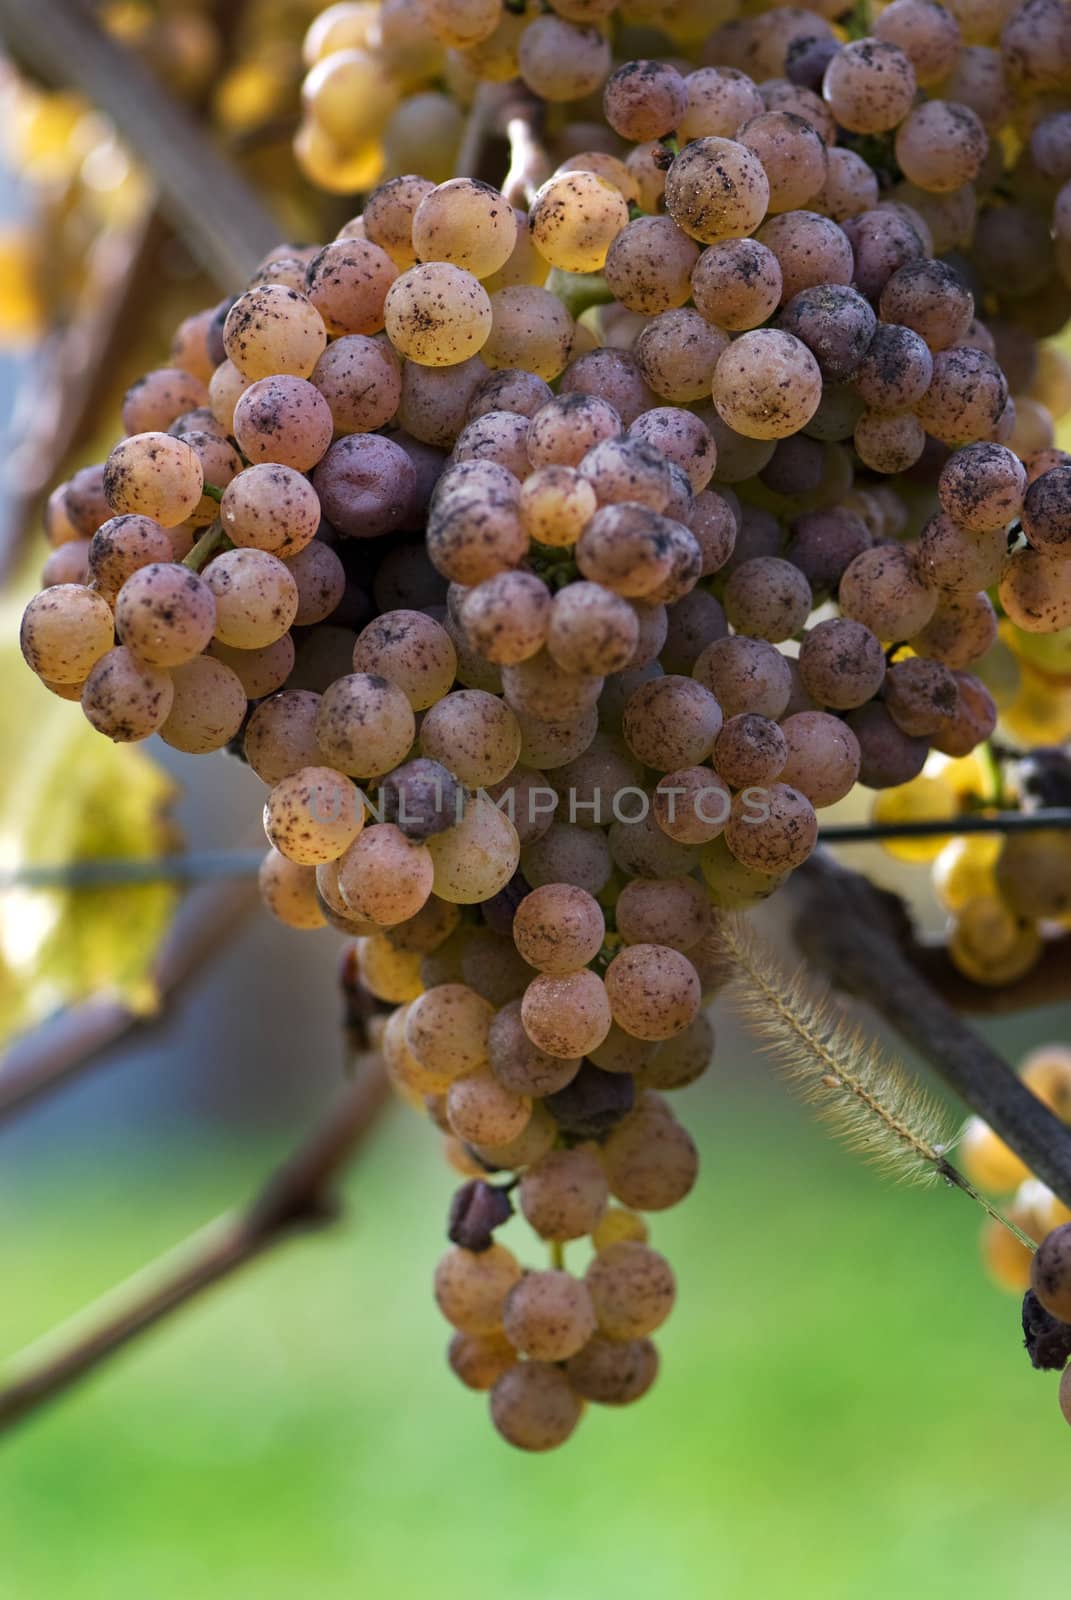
{"type": "Point", "coordinates": [994, 775]}
{"type": "Point", "coordinates": [956, 1178]}
{"type": "Point", "coordinates": [210, 544]}
{"type": "Point", "coordinates": [557, 1254]}
{"type": "Point", "coordinates": [212, 492]}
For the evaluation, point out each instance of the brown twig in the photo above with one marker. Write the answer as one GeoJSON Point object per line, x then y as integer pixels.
{"type": "Point", "coordinates": [62, 389]}
{"type": "Point", "coordinates": [299, 1194]}
{"type": "Point", "coordinates": [529, 165]}
{"type": "Point", "coordinates": [200, 192]}
{"type": "Point", "coordinates": [60, 1050]}
{"type": "Point", "coordinates": [1047, 983]}
{"type": "Point", "coordinates": [505, 112]}
{"type": "Point", "coordinates": [861, 937]}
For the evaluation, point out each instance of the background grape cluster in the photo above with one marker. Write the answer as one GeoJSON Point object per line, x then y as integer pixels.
{"type": "Point", "coordinates": [709, 480]}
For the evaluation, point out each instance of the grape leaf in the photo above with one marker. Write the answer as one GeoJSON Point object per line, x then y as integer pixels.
{"type": "Point", "coordinates": [69, 795]}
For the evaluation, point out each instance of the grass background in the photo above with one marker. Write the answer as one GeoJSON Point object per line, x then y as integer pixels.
{"type": "Point", "coordinates": [843, 1409]}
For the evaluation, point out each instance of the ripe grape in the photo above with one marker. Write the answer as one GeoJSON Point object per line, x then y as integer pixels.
{"type": "Point", "coordinates": [767, 384]}
{"type": "Point", "coordinates": [208, 706]}
{"type": "Point", "coordinates": [745, 675]}
{"type": "Point", "coordinates": [560, 61]}
{"type": "Point", "coordinates": [671, 722]}
{"type": "Point", "coordinates": [563, 1194]}
{"type": "Point", "coordinates": [767, 598]}
{"type": "Point", "coordinates": [165, 614]}
{"type": "Point", "coordinates": [653, 991]}
{"type": "Point", "coordinates": [529, 328]}
{"type": "Point", "coordinates": [888, 756]}
{"type": "Point", "coordinates": [289, 891]}
{"type": "Point", "coordinates": [256, 597]}
{"type": "Point", "coordinates": [533, 1405]}
{"type": "Point", "coordinates": [321, 584]}
{"type": "Point", "coordinates": [549, 1316]}
{"type": "Point", "coordinates": [566, 1015]}
{"type": "Point", "coordinates": [841, 663]}
{"type": "Point", "coordinates": [480, 1359]}
{"type": "Point", "coordinates": [1050, 1274]}
{"type": "Point", "coordinates": [941, 145]}
{"type": "Point", "coordinates": [717, 189]}
{"type": "Point", "coordinates": [869, 86]}
{"type": "Point", "coordinates": [649, 265]}
{"type": "Point", "coordinates": [313, 815]}
{"type": "Point", "coordinates": [437, 314]}
{"type": "Point", "coordinates": [558, 928]}
{"type": "Point", "coordinates": [365, 483]}
{"type": "Point", "coordinates": [361, 381]}
{"type": "Point", "coordinates": [575, 218]}
{"type": "Point", "coordinates": [471, 1288]}
{"type": "Point", "coordinates": [677, 354]}
{"type": "Point", "coordinates": [285, 420]}
{"type": "Point", "coordinates": [476, 857]}
{"type": "Point", "coordinates": [65, 630]}
{"type": "Point", "coordinates": [632, 1290]}
{"type": "Point", "coordinates": [614, 1372]}
{"type": "Point", "coordinates": [793, 157]}
{"type": "Point", "coordinates": [153, 475]}
{"type": "Point", "coordinates": [271, 330]}
{"type": "Point", "coordinates": [280, 737]}
{"type": "Point", "coordinates": [124, 698]}
{"type": "Point", "coordinates": [749, 750]}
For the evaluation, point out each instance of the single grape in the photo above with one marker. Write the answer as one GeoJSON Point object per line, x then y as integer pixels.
{"type": "Point", "coordinates": [166, 614]}
{"type": "Point", "coordinates": [256, 598]}
{"type": "Point", "coordinates": [653, 991]}
{"type": "Point", "coordinates": [365, 724]}
{"type": "Point", "coordinates": [65, 630]}
{"type": "Point", "coordinates": [124, 698]}
{"type": "Point", "coordinates": [289, 891]}
{"type": "Point", "coordinates": [410, 649]}
{"type": "Point", "coordinates": [1050, 1274]}
{"type": "Point", "coordinates": [208, 706]}
{"type": "Point", "coordinates": [471, 1288]}
{"type": "Point", "coordinates": [549, 1316]}
{"type": "Point", "coordinates": [533, 1405]}
{"type": "Point", "coordinates": [613, 1372]}
{"type": "Point", "coordinates": [476, 857]}
{"type": "Point", "coordinates": [575, 218]}
{"type": "Point", "coordinates": [652, 1165]}
{"type": "Point", "coordinates": [717, 189]}
{"type": "Point", "coordinates": [437, 314]}
{"type": "Point", "coordinates": [280, 737]}
{"type": "Point", "coordinates": [153, 475]}
{"type": "Point", "coordinates": [313, 815]}
{"type": "Point", "coordinates": [767, 384]}
{"type": "Point", "coordinates": [566, 1015]}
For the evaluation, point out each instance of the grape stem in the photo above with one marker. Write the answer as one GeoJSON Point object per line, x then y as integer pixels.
{"type": "Point", "coordinates": [557, 1254]}
{"type": "Point", "coordinates": [505, 111]}
{"type": "Point", "coordinates": [298, 1196]}
{"type": "Point", "coordinates": [861, 937]}
{"type": "Point", "coordinates": [529, 165]}
{"type": "Point", "coordinates": [952, 1175]}
{"type": "Point", "coordinates": [210, 544]}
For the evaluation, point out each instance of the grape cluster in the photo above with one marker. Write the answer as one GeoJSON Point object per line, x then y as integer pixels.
{"type": "Point", "coordinates": [549, 626]}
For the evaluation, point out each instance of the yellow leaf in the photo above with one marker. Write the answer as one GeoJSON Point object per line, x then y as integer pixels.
{"type": "Point", "coordinates": [68, 795]}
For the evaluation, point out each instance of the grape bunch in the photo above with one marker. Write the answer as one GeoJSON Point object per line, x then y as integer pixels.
{"type": "Point", "coordinates": [553, 569]}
